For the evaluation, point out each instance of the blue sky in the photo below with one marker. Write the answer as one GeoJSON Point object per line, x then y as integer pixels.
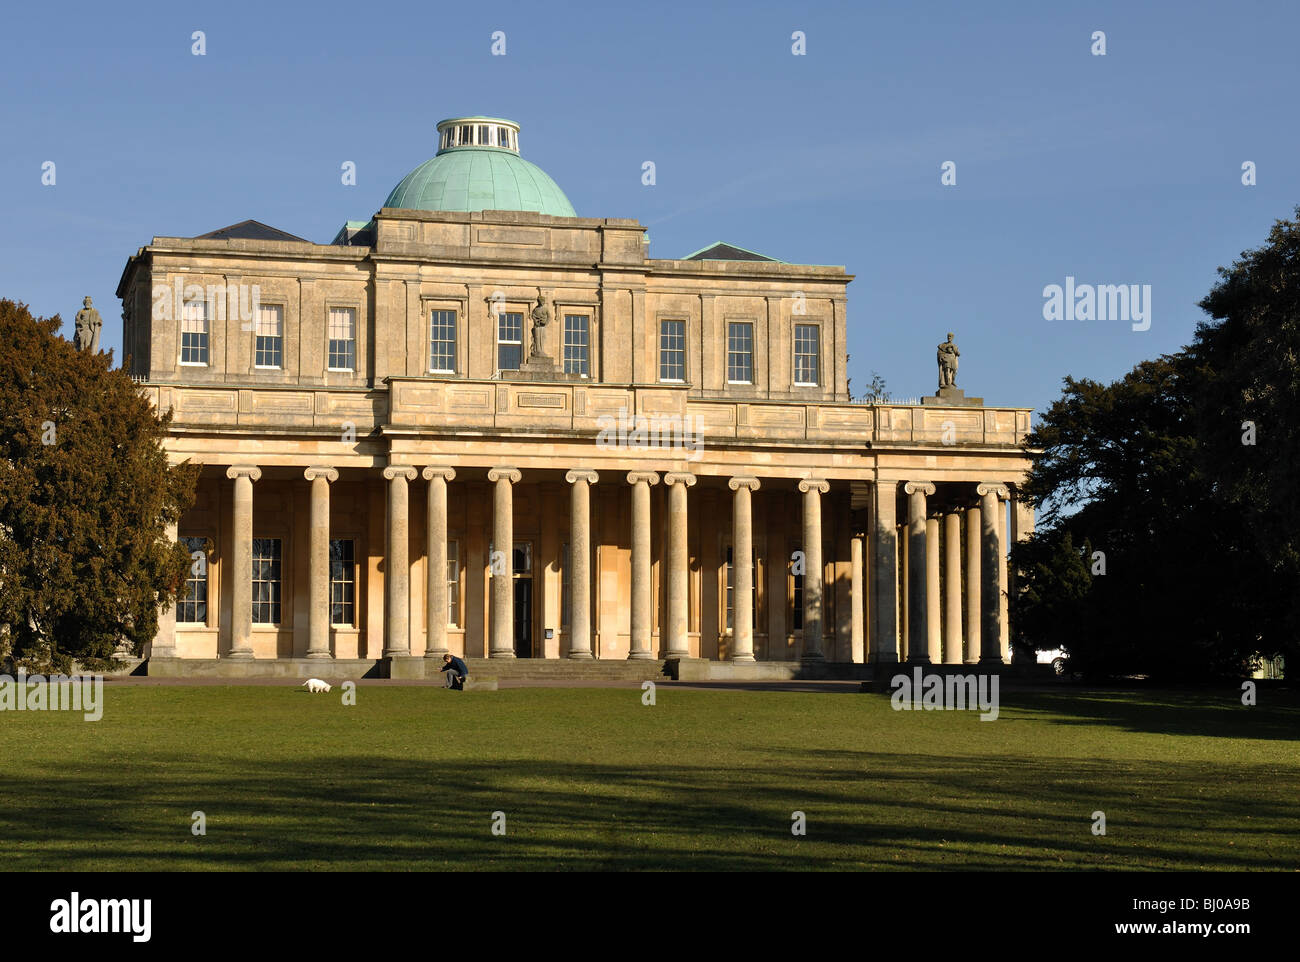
{"type": "Point", "coordinates": [1115, 169]}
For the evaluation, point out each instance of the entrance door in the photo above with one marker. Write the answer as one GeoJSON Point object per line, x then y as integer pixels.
{"type": "Point", "coordinates": [523, 587]}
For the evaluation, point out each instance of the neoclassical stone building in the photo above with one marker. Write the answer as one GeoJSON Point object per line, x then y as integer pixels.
{"type": "Point", "coordinates": [479, 423]}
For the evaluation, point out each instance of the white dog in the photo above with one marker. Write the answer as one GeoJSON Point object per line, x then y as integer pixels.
{"type": "Point", "coordinates": [315, 684]}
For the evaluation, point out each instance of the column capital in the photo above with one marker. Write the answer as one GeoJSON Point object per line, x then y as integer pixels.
{"type": "Point", "coordinates": [995, 488]}
{"type": "Point", "coordinates": [735, 484]}
{"type": "Point", "coordinates": [679, 477]}
{"type": "Point", "coordinates": [250, 471]}
{"type": "Point", "coordinates": [582, 474]}
{"type": "Point", "coordinates": [505, 474]}
{"type": "Point", "coordinates": [649, 477]}
{"type": "Point", "coordinates": [814, 484]}
{"type": "Point", "coordinates": [437, 471]}
{"type": "Point", "coordinates": [918, 487]}
{"type": "Point", "coordinates": [321, 471]}
{"type": "Point", "coordinates": [404, 471]}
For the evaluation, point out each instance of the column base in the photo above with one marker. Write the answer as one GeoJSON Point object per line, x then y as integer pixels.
{"type": "Point", "coordinates": [436, 652]}
{"type": "Point", "coordinates": [581, 656]}
{"type": "Point", "coordinates": [884, 658]}
{"type": "Point", "coordinates": [640, 656]}
{"type": "Point", "coordinates": [991, 660]}
{"type": "Point", "coordinates": [322, 655]}
{"type": "Point", "coordinates": [508, 653]}
{"type": "Point", "coordinates": [919, 660]}
{"type": "Point", "coordinates": [812, 656]}
{"type": "Point", "coordinates": [241, 654]}
{"type": "Point", "coordinates": [746, 659]}
{"type": "Point", "coordinates": [396, 653]}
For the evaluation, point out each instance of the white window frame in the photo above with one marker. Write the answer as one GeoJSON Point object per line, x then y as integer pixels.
{"type": "Point", "coordinates": [795, 354]}
{"type": "Point", "coordinates": [257, 333]}
{"type": "Point", "coordinates": [685, 360]}
{"type": "Point", "coordinates": [750, 325]}
{"type": "Point", "coordinates": [455, 338]}
{"type": "Point", "coordinates": [330, 339]}
{"type": "Point", "coordinates": [206, 332]}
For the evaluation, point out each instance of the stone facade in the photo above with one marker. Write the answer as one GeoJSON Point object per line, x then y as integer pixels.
{"type": "Point", "coordinates": [874, 532]}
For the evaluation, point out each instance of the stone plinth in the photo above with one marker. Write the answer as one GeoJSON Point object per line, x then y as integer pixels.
{"type": "Point", "coordinates": [952, 397]}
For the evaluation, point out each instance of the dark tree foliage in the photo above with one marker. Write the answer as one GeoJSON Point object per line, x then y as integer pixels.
{"type": "Point", "coordinates": [86, 495]}
{"type": "Point", "coordinates": [1184, 593]}
{"type": "Point", "coordinates": [1248, 365]}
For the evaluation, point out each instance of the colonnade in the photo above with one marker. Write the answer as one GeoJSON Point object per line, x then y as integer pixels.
{"type": "Point", "coordinates": [930, 620]}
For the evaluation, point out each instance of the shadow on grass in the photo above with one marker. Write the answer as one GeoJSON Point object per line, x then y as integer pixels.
{"type": "Point", "coordinates": [863, 810]}
{"type": "Point", "coordinates": [1212, 713]}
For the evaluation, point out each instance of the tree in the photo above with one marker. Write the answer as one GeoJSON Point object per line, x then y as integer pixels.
{"type": "Point", "coordinates": [1248, 409]}
{"type": "Point", "coordinates": [1174, 587]}
{"type": "Point", "coordinates": [86, 495]}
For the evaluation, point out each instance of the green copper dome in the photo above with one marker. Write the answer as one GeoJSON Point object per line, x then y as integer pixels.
{"type": "Point", "coordinates": [479, 168]}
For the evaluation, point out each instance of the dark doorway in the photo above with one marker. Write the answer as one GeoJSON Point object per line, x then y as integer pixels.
{"type": "Point", "coordinates": [523, 569]}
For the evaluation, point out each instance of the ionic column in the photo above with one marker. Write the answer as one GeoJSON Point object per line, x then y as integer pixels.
{"type": "Point", "coordinates": [639, 640]}
{"type": "Point", "coordinates": [580, 562]}
{"type": "Point", "coordinates": [502, 565]}
{"type": "Point", "coordinates": [973, 584]}
{"type": "Point", "coordinates": [918, 602]}
{"type": "Point", "coordinates": [678, 644]}
{"type": "Point", "coordinates": [855, 600]}
{"type": "Point", "coordinates": [904, 569]}
{"type": "Point", "coordinates": [397, 560]}
{"type": "Point", "coordinates": [1004, 596]}
{"type": "Point", "coordinates": [884, 573]}
{"type": "Point", "coordinates": [742, 564]}
{"type": "Point", "coordinates": [241, 558]}
{"type": "Point", "coordinates": [812, 573]}
{"type": "Point", "coordinates": [934, 620]}
{"type": "Point", "coordinates": [990, 572]}
{"type": "Point", "coordinates": [952, 652]}
{"type": "Point", "coordinates": [318, 562]}
{"type": "Point", "coordinates": [435, 553]}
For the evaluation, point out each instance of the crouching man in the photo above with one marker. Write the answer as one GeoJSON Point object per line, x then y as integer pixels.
{"type": "Point", "coordinates": [457, 672]}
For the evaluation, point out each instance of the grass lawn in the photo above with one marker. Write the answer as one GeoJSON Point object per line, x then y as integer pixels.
{"type": "Point", "coordinates": [592, 779]}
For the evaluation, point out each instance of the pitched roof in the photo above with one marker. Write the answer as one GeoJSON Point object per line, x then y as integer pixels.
{"type": "Point", "coordinates": [250, 230]}
{"type": "Point", "coordinates": [721, 251]}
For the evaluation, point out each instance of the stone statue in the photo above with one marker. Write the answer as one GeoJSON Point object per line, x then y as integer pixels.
{"type": "Point", "coordinates": [948, 355]}
{"type": "Point", "coordinates": [88, 324]}
{"type": "Point", "coordinates": [541, 317]}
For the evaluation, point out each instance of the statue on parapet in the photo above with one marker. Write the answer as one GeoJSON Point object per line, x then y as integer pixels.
{"type": "Point", "coordinates": [541, 317]}
{"type": "Point", "coordinates": [948, 355]}
{"type": "Point", "coordinates": [87, 326]}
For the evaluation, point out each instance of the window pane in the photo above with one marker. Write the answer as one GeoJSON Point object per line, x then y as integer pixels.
{"type": "Point", "coordinates": [266, 581]}
{"type": "Point", "coordinates": [343, 585]}
{"type": "Point", "coordinates": [672, 351]}
{"type": "Point", "coordinates": [740, 352]}
{"type": "Point", "coordinates": [343, 338]}
{"type": "Point", "coordinates": [806, 353]}
{"type": "Point", "coordinates": [453, 583]}
{"type": "Point", "coordinates": [192, 607]}
{"type": "Point", "coordinates": [442, 341]}
{"type": "Point", "coordinates": [270, 331]}
{"type": "Point", "coordinates": [576, 344]}
{"type": "Point", "coordinates": [194, 332]}
{"type": "Point", "coordinates": [510, 348]}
